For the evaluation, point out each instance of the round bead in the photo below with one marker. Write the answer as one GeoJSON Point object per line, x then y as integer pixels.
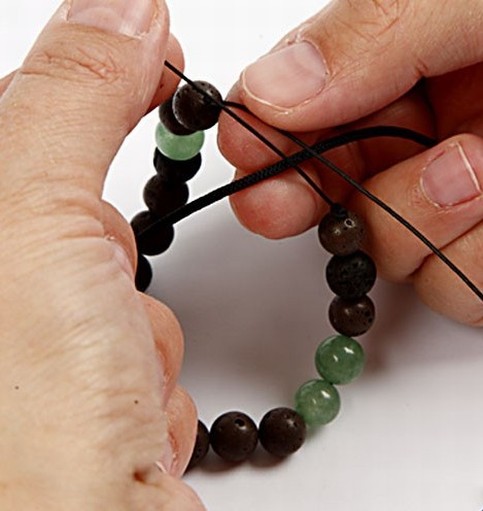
{"type": "Point", "coordinates": [154, 241]}
{"type": "Point", "coordinates": [318, 402]}
{"type": "Point", "coordinates": [144, 274]}
{"type": "Point", "coordinates": [341, 232]}
{"type": "Point", "coordinates": [162, 197]}
{"type": "Point", "coordinates": [176, 171]}
{"type": "Point", "coordinates": [166, 116]}
{"type": "Point", "coordinates": [351, 276]}
{"type": "Point", "coordinates": [202, 445]}
{"type": "Point", "coordinates": [234, 436]}
{"type": "Point", "coordinates": [178, 147]}
{"type": "Point", "coordinates": [193, 109]}
{"type": "Point", "coordinates": [282, 432]}
{"type": "Point", "coordinates": [352, 317]}
{"type": "Point", "coordinates": [339, 359]}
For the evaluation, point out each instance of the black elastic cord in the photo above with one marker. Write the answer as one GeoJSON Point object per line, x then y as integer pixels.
{"type": "Point", "coordinates": [292, 162]}
{"type": "Point", "coordinates": [289, 162]}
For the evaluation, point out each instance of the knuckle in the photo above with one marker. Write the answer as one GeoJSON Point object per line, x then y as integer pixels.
{"type": "Point", "coordinates": [77, 64]}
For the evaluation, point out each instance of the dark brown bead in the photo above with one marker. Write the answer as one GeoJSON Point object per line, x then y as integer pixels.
{"type": "Point", "coordinates": [166, 116]}
{"type": "Point", "coordinates": [202, 445]}
{"type": "Point", "coordinates": [234, 436]}
{"type": "Point", "coordinates": [176, 171]}
{"type": "Point", "coordinates": [341, 232]}
{"type": "Point", "coordinates": [351, 276]}
{"type": "Point", "coordinates": [193, 109]}
{"type": "Point", "coordinates": [282, 432]}
{"type": "Point", "coordinates": [151, 238]}
{"type": "Point", "coordinates": [352, 317]}
{"type": "Point", "coordinates": [144, 274]}
{"type": "Point", "coordinates": [162, 197]}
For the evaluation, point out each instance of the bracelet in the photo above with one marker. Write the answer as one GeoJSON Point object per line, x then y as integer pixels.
{"type": "Point", "coordinates": [350, 273]}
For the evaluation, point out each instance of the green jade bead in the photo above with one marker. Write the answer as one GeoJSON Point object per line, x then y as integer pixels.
{"type": "Point", "coordinates": [339, 359]}
{"type": "Point", "coordinates": [178, 147]}
{"type": "Point", "coordinates": [318, 402]}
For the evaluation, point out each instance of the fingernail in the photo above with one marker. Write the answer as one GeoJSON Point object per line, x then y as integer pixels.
{"type": "Point", "coordinates": [450, 178]}
{"type": "Point", "coordinates": [122, 258]}
{"type": "Point", "coordinates": [287, 77]}
{"type": "Point", "coordinates": [167, 462]}
{"type": "Point", "coordinates": [128, 17]}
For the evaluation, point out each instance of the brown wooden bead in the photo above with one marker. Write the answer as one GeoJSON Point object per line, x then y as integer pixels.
{"type": "Point", "coordinates": [352, 317]}
{"type": "Point", "coordinates": [341, 232]}
{"type": "Point", "coordinates": [162, 197]}
{"type": "Point", "coordinates": [351, 276]}
{"type": "Point", "coordinates": [176, 171]}
{"type": "Point", "coordinates": [282, 432]}
{"type": "Point", "coordinates": [202, 445]}
{"type": "Point", "coordinates": [234, 436]}
{"type": "Point", "coordinates": [151, 238]}
{"type": "Point", "coordinates": [144, 274]}
{"type": "Point", "coordinates": [193, 109]}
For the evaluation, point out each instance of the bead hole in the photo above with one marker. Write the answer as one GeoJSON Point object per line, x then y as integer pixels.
{"type": "Point", "coordinates": [240, 423]}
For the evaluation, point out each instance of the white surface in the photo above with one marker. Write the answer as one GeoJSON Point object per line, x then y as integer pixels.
{"type": "Point", "coordinates": [409, 435]}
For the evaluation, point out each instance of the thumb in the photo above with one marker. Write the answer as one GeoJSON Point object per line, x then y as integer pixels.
{"type": "Point", "coordinates": [355, 57]}
{"type": "Point", "coordinates": [87, 81]}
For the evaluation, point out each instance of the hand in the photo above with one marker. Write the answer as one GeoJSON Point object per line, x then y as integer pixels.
{"type": "Point", "coordinates": [417, 64]}
{"type": "Point", "coordinates": [88, 366]}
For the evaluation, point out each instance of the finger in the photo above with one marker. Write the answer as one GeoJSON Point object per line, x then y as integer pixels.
{"type": "Point", "coordinates": [287, 205]}
{"type": "Point", "coordinates": [182, 427]}
{"type": "Point", "coordinates": [169, 81]}
{"type": "Point", "coordinates": [446, 294]}
{"type": "Point", "coordinates": [355, 57]}
{"type": "Point", "coordinates": [94, 70]}
{"type": "Point", "coordinates": [169, 342]}
{"type": "Point", "coordinates": [440, 193]}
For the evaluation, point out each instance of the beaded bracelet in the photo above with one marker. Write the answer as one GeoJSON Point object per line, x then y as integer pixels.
{"type": "Point", "coordinates": [350, 273]}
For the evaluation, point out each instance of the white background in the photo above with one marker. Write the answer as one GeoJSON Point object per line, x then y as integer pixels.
{"type": "Point", "coordinates": [409, 436]}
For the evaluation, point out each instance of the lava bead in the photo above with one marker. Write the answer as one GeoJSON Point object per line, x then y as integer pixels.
{"type": "Point", "coordinates": [351, 276]}
{"type": "Point", "coordinates": [176, 171]}
{"type": "Point", "coordinates": [144, 274]}
{"type": "Point", "coordinates": [195, 110]}
{"type": "Point", "coordinates": [339, 359]}
{"type": "Point", "coordinates": [317, 402]}
{"type": "Point", "coordinates": [202, 445]}
{"type": "Point", "coordinates": [282, 432]}
{"type": "Point", "coordinates": [152, 237]}
{"type": "Point", "coordinates": [341, 232]}
{"type": "Point", "coordinates": [352, 317]}
{"type": "Point", "coordinates": [162, 197]}
{"type": "Point", "coordinates": [234, 436]}
{"type": "Point", "coordinates": [166, 116]}
{"type": "Point", "coordinates": [178, 147]}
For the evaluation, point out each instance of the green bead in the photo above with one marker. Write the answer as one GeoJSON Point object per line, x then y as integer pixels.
{"type": "Point", "coordinates": [178, 147]}
{"type": "Point", "coordinates": [339, 359]}
{"type": "Point", "coordinates": [318, 402]}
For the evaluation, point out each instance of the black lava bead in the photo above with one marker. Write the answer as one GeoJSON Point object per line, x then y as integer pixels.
{"type": "Point", "coordinates": [166, 116]}
{"type": "Point", "coordinates": [193, 109]}
{"type": "Point", "coordinates": [341, 232]}
{"type": "Point", "coordinates": [162, 197]}
{"type": "Point", "coordinates": [144, 274]}
{"type": "Point", "coordinates": [351, 276]}
{"type": "Point", "coordinates": [176, 171]}
{"type": "Point", "coordinates": [352, 317]}
{"type": "Point", "coordinates": [154, 241]}
{"type": "Point", "coordinates": [282, 432]}
{"type": "Point", "coordinates": [234, 436]}
{"type": "Point", "coordinates": [202, 445]}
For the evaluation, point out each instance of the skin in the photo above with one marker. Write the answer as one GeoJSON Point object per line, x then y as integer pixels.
{"type": "Point", "coordinates": [88, 388]}
{"type": "Point", "coordinates": [404, 63]}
